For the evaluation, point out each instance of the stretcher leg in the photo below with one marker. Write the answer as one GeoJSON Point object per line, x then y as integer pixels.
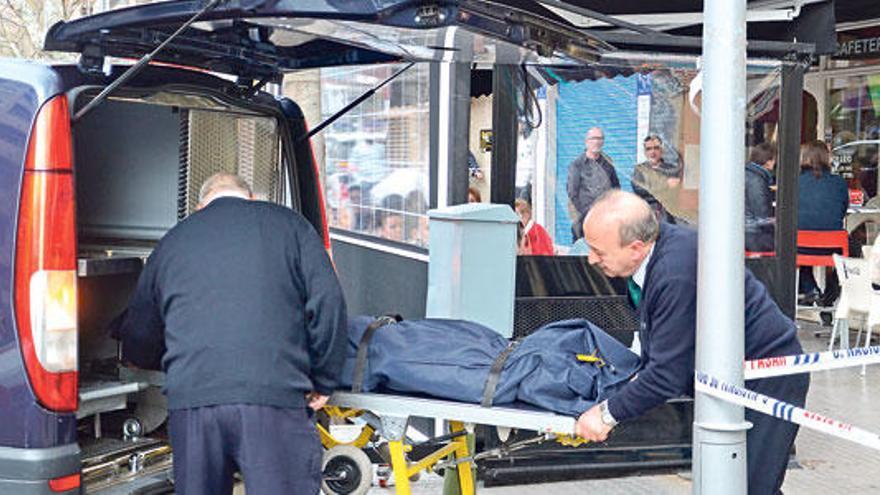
{"type": "Point", "coordinates": [399, 467]}
{"type": "Point", "coordinates": [465, 475]}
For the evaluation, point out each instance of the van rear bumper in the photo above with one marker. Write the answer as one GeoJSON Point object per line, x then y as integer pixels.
{"type": "Point", "coordinates": [27, 471]}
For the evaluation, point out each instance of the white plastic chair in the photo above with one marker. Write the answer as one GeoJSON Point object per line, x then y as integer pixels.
{"type": "Point", "coordinates": [856, 298]}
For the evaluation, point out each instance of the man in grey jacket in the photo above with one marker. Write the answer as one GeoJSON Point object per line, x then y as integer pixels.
{"type": "Point", "coordinates": [589, 175]}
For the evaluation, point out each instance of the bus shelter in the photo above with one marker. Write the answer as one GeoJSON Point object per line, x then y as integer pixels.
{"type": "Point", "coordinates": [510, 132]}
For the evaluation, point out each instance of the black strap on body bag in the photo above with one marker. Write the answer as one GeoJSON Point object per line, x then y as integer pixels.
{"type": "Point", "coordinates": [495, 374]}
{"type": "Point", "coordinates": [360, 364]}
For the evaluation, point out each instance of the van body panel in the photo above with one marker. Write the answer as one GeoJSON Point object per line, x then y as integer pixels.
{"type": "Point", "coordinates": [310, 197]}
{"type": "Point", "coordinates": [38, 464]}
{"type": "Point", "coordinates": [25, 487]}
{"type": "Point", "coordinates": [24, 87]}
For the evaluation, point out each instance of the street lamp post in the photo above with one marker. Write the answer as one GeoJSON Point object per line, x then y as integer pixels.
{"type": "Point", "coordinates": [719, 428]}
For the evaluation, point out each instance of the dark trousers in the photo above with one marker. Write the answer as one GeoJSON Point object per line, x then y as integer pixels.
{"type": "Point", "coordinates": [770, 439]}
{"type": "Point", "coordinates": [276, 450]}
{"type": "Point", "coordinates": [807, 284]}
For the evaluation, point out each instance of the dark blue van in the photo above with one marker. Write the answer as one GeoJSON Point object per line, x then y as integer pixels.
{"type": "Point", "coordinates": [90, 179]}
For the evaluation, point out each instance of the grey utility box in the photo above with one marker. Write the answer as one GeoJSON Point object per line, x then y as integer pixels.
{"type": "Point", "coordinates": [472, 268]}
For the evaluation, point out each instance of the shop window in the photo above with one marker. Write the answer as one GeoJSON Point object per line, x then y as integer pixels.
{"type": "Point", "coordinates": [854, 132]}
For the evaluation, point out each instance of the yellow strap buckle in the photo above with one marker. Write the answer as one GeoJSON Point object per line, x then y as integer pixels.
{"type": "Point", "coordinates": [593, 358]}
{"type": "Point", "coordinates": [571, 440]}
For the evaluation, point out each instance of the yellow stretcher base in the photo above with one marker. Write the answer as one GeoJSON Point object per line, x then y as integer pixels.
{"type": "Point", "coordinates": [382, 408]}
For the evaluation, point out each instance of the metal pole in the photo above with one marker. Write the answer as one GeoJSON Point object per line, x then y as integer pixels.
{"type": "Point", "coordinates": [787, 172]}
{"type": "Point", "coordinates": [719, 428]}
{"type": "Point", "coordinates": [450, 105]}
{"type": "Point", "coordinates": [505, 128]}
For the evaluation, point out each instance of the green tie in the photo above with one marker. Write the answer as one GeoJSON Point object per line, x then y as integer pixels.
{"type": "Point", "coordinates": [635, 292]}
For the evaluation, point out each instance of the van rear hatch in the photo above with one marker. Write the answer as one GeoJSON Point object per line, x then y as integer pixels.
{"type": "Point", "coordinates": [261, 39]}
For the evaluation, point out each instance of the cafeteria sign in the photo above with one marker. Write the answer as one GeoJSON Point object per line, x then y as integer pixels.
{"type": "Point", "coordinates": [858, 44]}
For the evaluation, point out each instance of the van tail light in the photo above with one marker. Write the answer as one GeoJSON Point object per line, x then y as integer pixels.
{"type": "Point", "coordinates": [325, 231]}
{"type": "Point", "coordinates": [45, 261]}
{"type": "Point", "coordinates": [65, 483]}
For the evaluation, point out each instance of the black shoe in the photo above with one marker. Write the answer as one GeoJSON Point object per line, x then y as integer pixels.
{"type": "Point", "coordinates": [809, 298]}
{"type": "Point", "coordinates": [826, 317]}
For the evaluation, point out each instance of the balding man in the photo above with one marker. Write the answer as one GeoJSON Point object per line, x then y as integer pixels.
{"type": "Point", "coordinates": [660, 264]}
{"type": "Point", "coordinates": [589, 175]}
{"type": "Point", "coordinates": [240, 306]}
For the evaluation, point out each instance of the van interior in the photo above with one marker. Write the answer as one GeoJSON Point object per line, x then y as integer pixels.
{"type": "Point", "coordinates": [139, 162]}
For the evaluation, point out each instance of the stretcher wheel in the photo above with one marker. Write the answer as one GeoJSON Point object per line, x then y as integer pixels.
{"type": "Point", "coordinates": [346, 471]}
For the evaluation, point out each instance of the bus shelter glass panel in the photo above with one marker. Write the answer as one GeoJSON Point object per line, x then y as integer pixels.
{"type": "Point", "coordinates": [376, 155]}
{"type": "Point", "coordinates": [634, 127]}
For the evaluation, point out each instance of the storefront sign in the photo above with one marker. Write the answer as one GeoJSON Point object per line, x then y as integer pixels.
{"type": "Point", "coordinates": [863, 43]}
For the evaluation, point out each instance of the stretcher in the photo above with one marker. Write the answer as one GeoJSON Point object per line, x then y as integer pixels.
{"type": "Point", "coordinates": [387, 417]}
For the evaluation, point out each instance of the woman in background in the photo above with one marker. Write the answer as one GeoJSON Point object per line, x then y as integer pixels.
{"type": "Point", "coordinates": [536, 236]}
{"type": "Point", "coordinates": [823, 199]}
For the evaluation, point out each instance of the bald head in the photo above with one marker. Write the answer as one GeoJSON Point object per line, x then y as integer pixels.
{"type": "Point", "coordinates": [620, 229]}
{"type": "Point", "coordinates": [594, 141]}
{"type": "Point", "coordinates": [630, 213]}
{"type": "Point", "coordinates": [223, 184]}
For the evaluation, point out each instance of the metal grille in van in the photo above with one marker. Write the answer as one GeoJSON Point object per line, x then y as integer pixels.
{"type": "Point", "coordinates": [214, 142]}
{"type": "Point", "coordinates": [610, 313]}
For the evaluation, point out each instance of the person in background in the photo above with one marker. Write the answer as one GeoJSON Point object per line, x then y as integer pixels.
{"type": "Point", "coordinates": [537, 237]}
{"type": "Point", "coordinates": [474, 170]}
{"type": "Point", "coordinates": [474, 195]}
{"type": "Point", "coordinates": [760, 225]}
{"type": "Point", "coordinates": [868, 178]}
{"type": "Point", "coordinates": [239, 305]}
{"type": "Point", "coordinates": [589, 175]}
{"type": "Point", "coordinates": [522, 242]}
{"type": "Point", "coordinates": [654, 176]}
{"type": "Point", "coordinates": [361, 214]}
{"type": "Point", "coordinates": [389, 218]}
{"type": "Point", "coordinates": [416, 206]}
{"type": "Point", "coordinates": [823, 199]}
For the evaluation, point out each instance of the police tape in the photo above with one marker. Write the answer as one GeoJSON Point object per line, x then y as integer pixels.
{"type": "Point", "coordinates": [710, 385]}
{"type": "Point", "coordinates": [815, 361]}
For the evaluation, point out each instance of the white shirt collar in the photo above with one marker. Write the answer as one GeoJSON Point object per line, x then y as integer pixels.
{"type": "Point", "coordinates": [529, 226]}
{"type": "Point", "coordinates": [227, 194]}
{"type": "Point", "coordinates": [639, 276]}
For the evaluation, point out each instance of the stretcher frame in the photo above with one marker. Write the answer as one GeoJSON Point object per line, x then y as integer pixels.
{"type": "Point", "coordinates": [388, 416]}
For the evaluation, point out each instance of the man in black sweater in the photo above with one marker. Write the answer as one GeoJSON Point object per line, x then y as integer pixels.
{"type": "Point", "coordinates": [241, 308]}
{"type": "Point", "coordinates": [660, 260]}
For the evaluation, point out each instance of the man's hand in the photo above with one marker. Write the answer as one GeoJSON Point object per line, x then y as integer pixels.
{"type": "Point", "coordinates": [591, 426]}
{"type": "Point", "coordinates": [316, 400]}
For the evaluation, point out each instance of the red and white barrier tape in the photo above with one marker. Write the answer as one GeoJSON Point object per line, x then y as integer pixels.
{"type": "Point", "coordinates": [710, 385]}
{"type": "Point", "coordinates": [815, 361]}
